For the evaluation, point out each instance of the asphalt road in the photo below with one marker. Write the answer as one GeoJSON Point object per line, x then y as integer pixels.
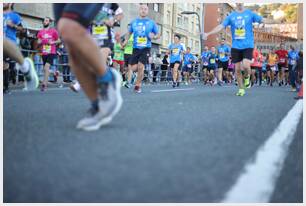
{"type": "Point", "coordinates": [182, 146]}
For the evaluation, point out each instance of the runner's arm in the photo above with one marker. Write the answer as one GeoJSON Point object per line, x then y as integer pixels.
{"type": "Point", "coordinates": [216, 30]}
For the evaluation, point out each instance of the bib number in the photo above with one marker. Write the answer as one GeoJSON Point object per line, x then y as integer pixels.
{"type": "Point", "coordinates": [273, 68]}
{"type": "Point", "coordinates": [282, 60]}
{"type": "Point", "coordinates": [292, 61]}
{"type": "Point", "coordinates": [205, 63]}
{"type": "Point", "coordinates": [222, 55]}
{"type": "Point", "coordinates": [175, 51]}
{"type": "Point", "coordinates": [100, 32]}
{"type": "Point", "coordinates": [142, 41]}
{"type": "Point", "coordinates": [47, 49]}
{"type": "Point", "coordinates": [239, 33]}
{"type": "Point", "coordinates": [212, 61]}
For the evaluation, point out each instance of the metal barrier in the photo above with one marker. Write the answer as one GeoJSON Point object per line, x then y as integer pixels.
{"type": "Point", "coordinates": [61, 71]}
{"type": "Point", "coordinates": [157, 75]}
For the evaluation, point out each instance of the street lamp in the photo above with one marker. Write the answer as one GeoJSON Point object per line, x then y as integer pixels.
{"type": "Point", "coordinates": [200, 30]}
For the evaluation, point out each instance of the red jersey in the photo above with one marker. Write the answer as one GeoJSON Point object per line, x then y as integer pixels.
{"type": "Point", "coordinates": [282, 56]}
{"type": "Point", "coordinates": [257, 59]}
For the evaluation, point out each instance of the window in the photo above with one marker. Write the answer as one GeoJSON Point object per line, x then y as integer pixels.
{"type": "Point", "coordinates": [191, 45]}
{"type": "Point", "coordinates": [192, 26]}
{"type": "Point", "coordinates": [197, 27]}
{"type": "Point", "coordinates": [196, 45]}
{"type": "Point", "coordinates": [186, 22]}
{"type": "Point", "coordinates": [168, 17]}
{"type": "Point", "coordinates": [156, 7]}
{"type": "Point", "coordinates": [179, 21]}
{"type": "Point", "coordinates": [193, 7]}
{"type": "Point", "coordinates": [198, 10]}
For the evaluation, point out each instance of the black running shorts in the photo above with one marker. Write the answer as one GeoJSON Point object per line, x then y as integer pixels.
{"type": "Point", "coordinates": [140, 56]}
{"type": "Point", "coordinates": [239, 54]}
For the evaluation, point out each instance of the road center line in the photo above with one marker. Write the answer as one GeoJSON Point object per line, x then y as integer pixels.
{"type": "Point", "coordinates": [257, 182]}
{"type": "Point", "coordinates": [171, 90]}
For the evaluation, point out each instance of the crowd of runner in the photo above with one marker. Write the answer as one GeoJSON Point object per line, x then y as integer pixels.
{"type": "Point", "coordinates": [104, 60]}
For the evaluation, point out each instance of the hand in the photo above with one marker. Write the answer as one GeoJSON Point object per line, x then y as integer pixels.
{"type": "Point", "coordinates": [10, 23]}
{"type": "Point", "coordinates": [109, 22]}
{"type": "Point", "coordinates": [205, 35]}
{"type": "Point", "coordinates": [151, 35]}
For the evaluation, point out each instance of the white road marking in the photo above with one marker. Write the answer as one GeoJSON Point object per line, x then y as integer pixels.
{"type": "Point", "coordinates": [171, 90]}
{"type": "Point", "coordinates": [257, 182]}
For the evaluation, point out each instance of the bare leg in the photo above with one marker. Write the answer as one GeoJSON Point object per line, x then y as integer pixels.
{"type": "Point", "coordinates": [12, 51]}
{"type": "Point", "coordinates": [140, 74]}
{"type": "Point", "coordinates": [83, 45]}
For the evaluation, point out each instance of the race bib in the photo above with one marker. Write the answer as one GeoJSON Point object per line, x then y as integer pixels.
{"type": "Point", "coordinates": [240, 33]}
{"type": "Point", "coordinates": [273, 68]}
{"type": "Point", "coordinates": [47, 48]}
{"type": "Point", "coordinates": [222, 55]}
{"type": "Point", "coordinates": [292, 61]}
{"type": "Point", "coordinates": [282, 60]}
{"type": "Point", "coordinates": [189, 65]}
{"type": "Point", "coordinates": [175, 51]}
{"type": "Point", "coordinates": [212, 61]}
{"type": "Point", "coordinates": [205, 63]}
{"type": "Point", "coordinates": [100, 32]}
{"type": "Point", "coordinates": [142, 41]}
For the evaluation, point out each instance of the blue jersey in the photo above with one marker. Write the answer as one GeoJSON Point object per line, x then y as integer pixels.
{"type": "Point", "coordinates": [205, 56]}
{"type": "Point", "coordinates": [292, 57]}
{"type": "Point", "coordinates": [223, 51]}
{"type": "Point", "coordinates": [175, 52]}
{"type": "Point", "coordinates": [141, 28]}
{"type": "Point", "coordinates": [8, 31]}
{"type": "Point", "coordinates": [189, 59]}
{"type": "Point", "coordinates": [212, 60]}
{"type": "Point", "coordinates": [242, 28]}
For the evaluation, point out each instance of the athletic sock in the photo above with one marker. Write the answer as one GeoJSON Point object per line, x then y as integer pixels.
{"type": "Point", "coordinates": [24, 68]}
{"type": "Point", "coordinates": [107, 77]}
{"type": "Point", "coordinates": [95, 104]}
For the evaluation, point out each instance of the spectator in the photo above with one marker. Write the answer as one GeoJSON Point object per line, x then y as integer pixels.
{"type": "Point", "coordinates": [164, 68]}
{"type": "Point", "coordinates": [157, 62]}
{"type": "Point", "coordinates": [63, 57]}
{"type": "Point", "coordinates": [48, 38]}
{"type": "Point", "coordinates": [299, 68]}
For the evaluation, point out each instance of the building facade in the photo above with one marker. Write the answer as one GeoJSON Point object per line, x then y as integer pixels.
{"type": "Point", "coordinates": [213, 15]}
{"type": "Point", "coordinates": [186, 26]}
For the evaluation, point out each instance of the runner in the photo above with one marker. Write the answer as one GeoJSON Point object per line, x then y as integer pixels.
{"type": "Point", "coordinates": [223, 54]}
{"type": "Point", "coordinates": [282, 64]}
{"type": "Point", "coordinates": [144, 30]}
{"type": "Point", "coordinates": [176, 50]}
{"type": "Point", "coordinates": [187, 68]}
{"type": "Point", "coordinates": [256, 75]}
{"type": "Point", "coordinates": [101, 29]}
{"type": "Point", "coordinates": [241, 22]}
{"type": "Point", "coordinates": [100, 84]}
{"type": "Point", "coordinates": [213, 65]}
{"type": "Point", "coordinates": [292, 60]}
{"type": "Point", "coordinates": [272, 66]}
{"type": "Point", "coordinates": [11, 23]}
{"type": "Point", "coordinates": [231, 70]}
{"type": "Point", "coordinates": [118, 59]}
{"type": "Point", "coordinates": [128, 52]}
{"type": "Point", "coordinates": [205, 62]}
{"type": "Point", "coordinates": [47, 38]}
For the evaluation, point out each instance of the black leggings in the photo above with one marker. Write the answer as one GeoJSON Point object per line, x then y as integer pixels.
{"type": "Point", "coordinates": [82, 13]}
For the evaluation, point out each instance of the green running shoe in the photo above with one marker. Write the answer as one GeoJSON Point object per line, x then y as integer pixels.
{"type": "Point", "coordinates": [247, 83]}
{"type": "Point", "coordinates": [241, 92]}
